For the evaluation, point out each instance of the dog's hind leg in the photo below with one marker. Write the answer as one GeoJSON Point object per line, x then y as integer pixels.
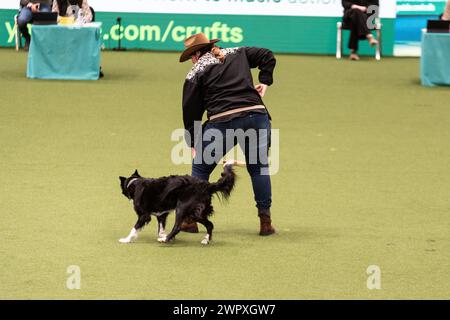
{"type": "Point", "coordinates": [209, 228]}
{"type": "Point", "coordinates": [162, 226]}
{"type": "Point", "coordinates": [179, 216]}
{"type": "Point", "coordinates": [142, 220]}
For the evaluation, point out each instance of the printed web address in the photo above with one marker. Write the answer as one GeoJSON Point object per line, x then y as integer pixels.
{"type": "Point", "coordinates": [416, 7]}
{"type": "Point", "coordinates": [176, 33]}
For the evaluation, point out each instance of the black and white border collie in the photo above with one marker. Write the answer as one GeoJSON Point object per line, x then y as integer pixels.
{"type": "Point", "coordinates": [189, 196]}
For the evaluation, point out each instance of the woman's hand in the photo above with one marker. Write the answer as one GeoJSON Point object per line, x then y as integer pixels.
{"type": "Point", "coordinates": [261, 88]}
{"type": "Point", "coordinates": [360, 8]}
{"type": "Point", "coordinates": [193, 153]}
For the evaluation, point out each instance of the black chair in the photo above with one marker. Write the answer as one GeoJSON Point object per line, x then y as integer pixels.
{"type": "Point", "coordinates": [93, 13]}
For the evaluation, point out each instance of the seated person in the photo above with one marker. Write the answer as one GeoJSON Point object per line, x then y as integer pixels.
{"type": "Point", "coordinates": [355, 16]}
{"type": "Point", "coordinates": [27, 7]}
{"type": "Point", "coordinates": [64, 8]}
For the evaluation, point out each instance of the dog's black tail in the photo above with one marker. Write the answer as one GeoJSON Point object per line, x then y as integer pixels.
{"type": "Point", "coordinates": [225, 184]}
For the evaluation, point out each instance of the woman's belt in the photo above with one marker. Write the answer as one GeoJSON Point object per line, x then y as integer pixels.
{"type": "Point", "coordinates": [227, 113]}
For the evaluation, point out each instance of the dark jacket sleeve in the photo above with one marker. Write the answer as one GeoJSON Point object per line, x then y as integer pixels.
{"type": "Point", "coordinates": [193, 108]}
{"type": "Point", "coordinates": [264, 60]}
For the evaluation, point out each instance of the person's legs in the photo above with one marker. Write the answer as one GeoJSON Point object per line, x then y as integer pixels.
{"type": "Point", "coordinates": [256, 157]}
{"type": "Point", "coordinates": [364, 31]}
{"type": "Point", "coordinates": [353, 40]}
{"type": "Point", "coordinates": [358, 27]}
{"type": "Point", "coordinates": [353, 45]}
{"type": "Point", "coordinates": [201, 169]}
{"type": "Point", "coordinates": [206, 157]}
{"type": "Point", "coordinates": [25, 17]}
{"type": "Point", "coordinates": [359, 23]}
{"type": "Point", "coordinates": [213, 147]}
{"type": "Point", "coordinates": [359, 31]}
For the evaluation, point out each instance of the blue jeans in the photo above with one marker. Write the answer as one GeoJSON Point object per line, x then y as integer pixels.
{"type": "Point", "coordinates": [26, 16]}
{"type": "Point", "coordinates": [256, 152]}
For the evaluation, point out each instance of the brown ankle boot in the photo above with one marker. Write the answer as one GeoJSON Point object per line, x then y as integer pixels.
{"type": "Point", "coordinates": [189, 225]}
{"type": "Point", "coordinates": [266, 228]}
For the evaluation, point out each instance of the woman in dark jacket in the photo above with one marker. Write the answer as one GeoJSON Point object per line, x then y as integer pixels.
{"type": "Point", "coordinates": [355, 16]}
{"type": "Point", "coordinates": [220, 83]}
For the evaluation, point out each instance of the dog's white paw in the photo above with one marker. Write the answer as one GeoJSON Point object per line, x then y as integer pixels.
{"type": "Point", "coordinates": [205, 241]}
{"type": "Point", "coordinates": [162, 239]}
{"type": "Point", "coordinates": [162, 235]}
{"type": "Point", "coordinates": [132, 236]}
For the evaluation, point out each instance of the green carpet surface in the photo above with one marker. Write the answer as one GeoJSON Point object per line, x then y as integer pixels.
{"type": "Point", "coordinates": [364, 180]}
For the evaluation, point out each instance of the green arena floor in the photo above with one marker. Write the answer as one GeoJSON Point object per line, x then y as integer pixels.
{"type": "Point", "coordinates": [364, 180]}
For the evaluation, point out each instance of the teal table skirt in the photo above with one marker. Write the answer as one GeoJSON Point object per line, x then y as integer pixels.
{"type": "Point", "coordinates": [65, 52]}
{"type": "Point", "coordinates": [435, 60]}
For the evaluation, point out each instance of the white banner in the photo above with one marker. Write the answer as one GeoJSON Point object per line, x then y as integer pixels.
{"type": "Point", "coordinates": [9, 4]}
{"type": "Point", "coordinates": [311, 8]}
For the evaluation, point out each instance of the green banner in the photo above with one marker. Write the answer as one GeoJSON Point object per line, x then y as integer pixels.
{"type": "Point", "coordinates": [286, 34]}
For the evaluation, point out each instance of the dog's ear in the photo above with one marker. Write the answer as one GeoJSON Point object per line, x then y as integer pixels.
{"type": "Point", "coordinates": [136, 173]}
{"type": "Point", "coordinates": [122, 180]}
